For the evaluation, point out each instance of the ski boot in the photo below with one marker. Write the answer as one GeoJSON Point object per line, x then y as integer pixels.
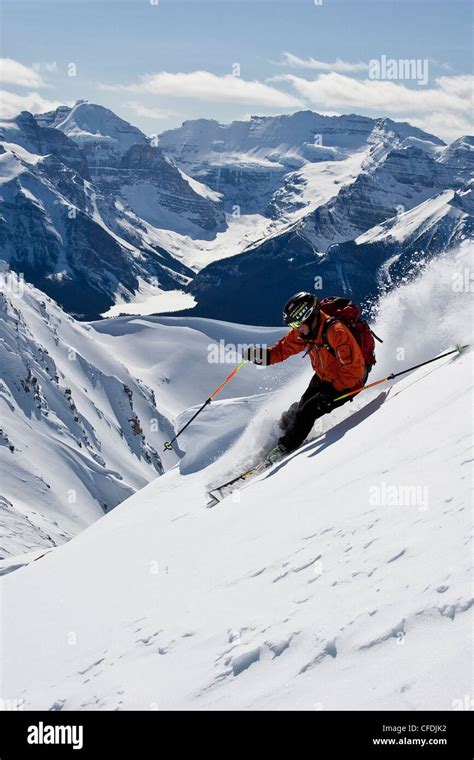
{"type": "Point", "coordinates": [277, 453]}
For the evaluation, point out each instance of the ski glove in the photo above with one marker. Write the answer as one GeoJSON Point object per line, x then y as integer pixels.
{"type": "Point", "coordinates": [256, 354]}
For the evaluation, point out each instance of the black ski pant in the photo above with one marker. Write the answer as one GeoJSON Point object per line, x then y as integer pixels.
{"type": "Point", "coordinates": [317, 400]}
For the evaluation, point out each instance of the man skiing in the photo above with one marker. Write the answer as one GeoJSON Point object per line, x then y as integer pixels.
{"type": "Point", "coordinates": [337, 358]}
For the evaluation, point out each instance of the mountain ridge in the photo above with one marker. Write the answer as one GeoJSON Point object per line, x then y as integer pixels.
{"type": "Point", "coordinates": [96, 213]}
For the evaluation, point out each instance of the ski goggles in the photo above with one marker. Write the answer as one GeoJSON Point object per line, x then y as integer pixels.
{"type": "Point", "coordinates": [300, 315]}
{"type": "Point", "coordinates": [295, 325]}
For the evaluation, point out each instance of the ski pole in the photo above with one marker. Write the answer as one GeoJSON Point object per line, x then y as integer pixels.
{"type": "Point", "coordinates": [168, 445]}
{"type": "Point", "coordinates": [460, 349]}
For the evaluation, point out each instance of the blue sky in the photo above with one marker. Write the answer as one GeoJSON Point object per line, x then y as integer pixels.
{"type": "Point", "coordinates": [159, 64]}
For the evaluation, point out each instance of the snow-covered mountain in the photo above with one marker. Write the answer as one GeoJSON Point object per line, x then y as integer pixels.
{"type": "Point", "coordinates": [97, 215]}
{"type": "Point", "coordinates": [379, 258]}
{"type": "Point", "coordinates": [398, 170]}
{"type": "Point", "coordinates": [248, 160]}
{"type": "Point", "coordinates": [68, 221]}
{"type": "Point", "coordinates": [57, 228]}
{"type": "Point", "coordinates": [85, 409]}
{"type": "Point", "coordinates": [90, 125]}
{"type": "Point", "coordinates": [393, 251]}
{"type": "Point", "coordinates": [340, 579]}
{"type": "Point", "coordinates": [41, 140]}
{"type": "Point", "coordinates": [405, 175]}
{"type": "Point", "coordinates": [401, 187]}
{"type": "Point", "coordinates": [459, 157]}
{"type": "Point", "coordinates": [76, 434]}
{"type": "Point", "coordinates": [122, 161]}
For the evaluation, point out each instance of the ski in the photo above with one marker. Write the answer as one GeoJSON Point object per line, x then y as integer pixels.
{"type": "Point", "coordinates": [219, 493]}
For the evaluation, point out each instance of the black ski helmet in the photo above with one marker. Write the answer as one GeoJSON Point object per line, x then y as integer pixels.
{"type": "Point", "coordinates": [299, 308]}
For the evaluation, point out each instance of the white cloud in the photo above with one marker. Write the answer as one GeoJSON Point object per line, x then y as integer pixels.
{"type": "Point", "coordinates": [448, 105]}
{"type": "Point", "coordinates": [311, 63]}
{"type": "Point", "coordinates": [203, 85]}
{"type": "Point", "coordinates": [335, 91]}
{"type": "Point", "coordinates": [461, 86]}
{"type": "Point", "coordinates": [149, 112]}
{"type": "Point", "coordinates": [11, 103]}
{"type": "Point", "coordinates": [13, 72]}
{"type": "Point", "coordinates": [448, 126]}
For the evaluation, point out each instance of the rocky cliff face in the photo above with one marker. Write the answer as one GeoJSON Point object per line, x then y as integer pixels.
{"type": "Point", "coordinates": [80, 211]}
{"type": "Point", "coordinates": [123, 162]}
{"type": "Point", "coordinates": [360, 268]}
{"type": "Point", "coordinates": [144, 170]}
{"type": "Point", "coordinates": [42, 141]}
{"type": "Point", "coordinates": [255, 163]}
{"type": "Point", "coordinates": [458, 158]}
{"type": "Point", "coordinates": [66, 236]}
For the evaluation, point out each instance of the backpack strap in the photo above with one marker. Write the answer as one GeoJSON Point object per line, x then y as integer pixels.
{"type": "Point", "coordinates": [324, 336]}
{"type": "Point", "coordinates": [311, 345]}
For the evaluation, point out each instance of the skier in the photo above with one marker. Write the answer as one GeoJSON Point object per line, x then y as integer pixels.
{"type": "Point", "coordinates": [337, 359]}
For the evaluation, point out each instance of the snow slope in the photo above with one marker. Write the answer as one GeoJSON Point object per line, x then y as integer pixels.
{"type": "Point", "coordinates": [311, 592]}
{"type": "Point", "coordinates": [66, 401]}
{"type": "Point", "coordinates": [415, 221]}
{"type": "Point", "coordinates": [97, 406]}
{"type": "Point", "coordinates": [338, 580]}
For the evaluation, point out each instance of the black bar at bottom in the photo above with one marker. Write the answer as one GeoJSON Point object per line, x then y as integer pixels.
{"type": "Point", "coordinates": [375, 734]}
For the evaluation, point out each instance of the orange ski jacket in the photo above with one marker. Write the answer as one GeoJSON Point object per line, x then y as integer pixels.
{"type": "Point", "coordinates": [345, 370]}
